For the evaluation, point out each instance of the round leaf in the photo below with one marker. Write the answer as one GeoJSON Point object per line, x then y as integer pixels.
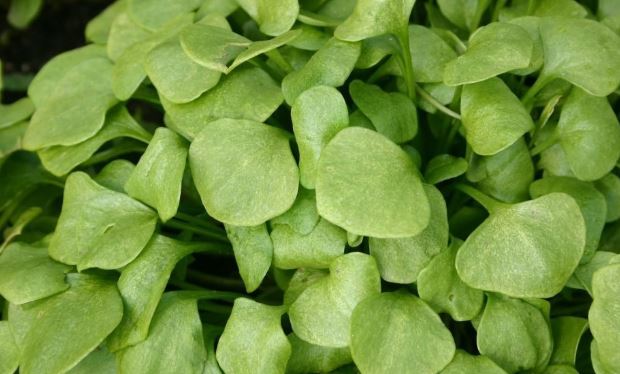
{"type": "Point", "coordinates": [350, 194]}
{"type": "Point", "coordinates": [244, 171]}
{"type": "Point", "coordinates": [375, 17]}
{"type": "Point", "coordinates": [603, 316]}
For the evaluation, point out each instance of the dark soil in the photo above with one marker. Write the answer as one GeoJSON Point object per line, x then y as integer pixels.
{"type": "Point", "coordinates": [58, 27]}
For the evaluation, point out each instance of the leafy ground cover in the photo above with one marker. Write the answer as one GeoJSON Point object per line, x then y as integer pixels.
{"type": "Point", "coordinates": [261, 186]}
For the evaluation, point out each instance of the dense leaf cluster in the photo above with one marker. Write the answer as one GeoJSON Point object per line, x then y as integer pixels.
{"type": "Point", "coordinates": [402, 188]}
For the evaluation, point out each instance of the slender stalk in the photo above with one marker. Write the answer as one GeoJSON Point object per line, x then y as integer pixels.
{"type": "Point", "coordinates": [210, 234]}
{"type": "Point", "coordinates": [489, 203]}
{"type": "Point", "coordinates": [498, 7]}
{"type": "Point", "coordinates": [215, 280]}
{"type": "Point", "coordinates": [442, 108]}
{"type": "Point", "coordinates": [528, 99]}
{"type": "Point", "coordinates": [199, 222]}
{"type": "Point", "coordinates": [546, 144]}
{"type": "Point", "coordinates": [405, 55]}
{"type": "Point", "coordinates": [280, 61]}
{"type": "Point", "coordinates": [114, 152]}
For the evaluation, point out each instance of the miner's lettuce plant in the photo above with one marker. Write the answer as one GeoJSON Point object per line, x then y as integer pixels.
{"type": "Point", "coordinates": [374, 186]}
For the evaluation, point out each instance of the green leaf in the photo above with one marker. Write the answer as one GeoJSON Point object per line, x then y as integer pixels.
{"type": "Point", "coordinates": [264, 46]}
{"type": "Point", "coordinates": [493, 117]}
{"type": "Point", "coordinates": [154, 14]}
{"type": "Point", "coordinates": [23, 12]}
{"type": "Point", "coordinates": [531, 25]}
{"type": "Point", "coordinates": [582, 52]}
{"type": "Point", "coordinates": [466, 363]}
{"type": "Point", "coordinates": [124, 33]}
{"type": "Point", "coordinates": [401, 260]}
{"type": "Point", "coordinates": [15, 112]}
{"type": "Point", "coordinates": [23, 219]}
{"type": "Point", "coordinates": [28, 274]}
{"type": "Point", "coordinates": [567, 332]}
{"type": "Point", "coordinates": [505, 175]}
{"type": "Point", "coordinates": [55, 343]}
{"type": "Point", "coordinates": [175, 75]}
{"type": "Point", "coordinates": [465, 14]}
{"type": "Point", "coordinates": [317, 249]}
{"type": "Point", "coordinates": [244, 170]}
{"type": "Point", "coordinates": [98, 227]}
{"type": "Point", "coordinates": [115, 174]}
{"type": "Point", "coordinates": [373, 18]}
{"type": "Point", "coordinates": [157, 178]}
{"type": "Point", "coordinates": [493, 49]}
{"type": "Point", "coordinates": [444, 167]}
{"type": "Point", "coordinates": [315, 128]}
{"type": "Point", "coordinates": [609, 186]}
{"type": "Point", "coordinates": [321, 314]}
{"type": "Point", "coordinates": [440, 286]}
{"type": "Point", "coordinates": [246, 93]}
{"type": "Point", "coordinates": [515, 334]}
{"type": "Point", "coordinates": [529, 249]}
{"type": "Point", "coordinates": [300, 281]}
{"type": "Point", "coordinates": [582, 277]}
{"type": "Point", "coordinates": [350, 196]}
{"type": "Point", "coordinates": [310, 358]}
{"type": "Point", "coordinates": [396, 332]}
{"type": "Point", "coordinates": [11, 138]}
{"type": "Point", "coordinates": [393, 114]}
{"type": "Point", "coordinates": [98, 28]}
{"type": "Point", "coordinates": [603, 316]}
{"type": "Point", "coordinates": [253, 340]}
{"type": "Point", "coordinates": [174, 344]}
{"type": "Point", "coordinates": [275, 17]}
{"type": "Point", "coordinates": [591, 202]}
{"type": "Point", "coordinates": [375, 49]}
{"type": "Point", "coordinates": [60, 160]}
{"type": "Point", "coordinates": [99, 361]}
{"type": "Point", "coordinates": [430, 54]}
{"type": "Point", "coordinates": [589, 134]}
{"type": "Point", "coordinates": [141, 286]}
{"type": "Point", "coordinates": [211, 46]}
{"type": "Point", "coordinates": [331, 65]}
{"type": "Point", "coordinates": [302, 217]}
{"type": "Point", "coordinates": [9, 352]}
{"type": "Point", "coordinates": [253, 253]}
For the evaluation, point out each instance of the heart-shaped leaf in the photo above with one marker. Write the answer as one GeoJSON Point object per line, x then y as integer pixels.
{"type": "Point", "coordinates": [244, 171]}
{"type": "Point", "coordinates": [401, 260]}
{"type": "Point", "coordinates": [529, 249]}
{"type": "Point", "coordinates": [394, 321]}
{"type": "Point", "coordinates": [350, 196]}
{"type": "Point", "coordinates": [493, 117]}
{"type": "Point", "coordinates": [99, 227]}
{"type": "Point", "coordinates": [253, 339]}
{"type": "Point", "coordinates": [321, 314]}
{"type": "Point", "coordinates": [315, 128]}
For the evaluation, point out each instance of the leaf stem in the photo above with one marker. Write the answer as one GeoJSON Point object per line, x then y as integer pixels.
{"type": "Point", "coordinates": [544, 145]}
{"type": "Point", "coordinates": [211, 234]}
{"type": "Point", "coordinates": [215, 280]}
{"type": "Point", "coordinates": [405, 55]}
{"type": "Point", "coordinates": [280, 61]}
{"type": "Point", "coordinates": [489, 203]}
{"type": "Point", "coordinates": [528, 99]}
{"type": "Point", "coordinates": [442, 108]}
{"type": "Point", "coordinates": [197, 221]}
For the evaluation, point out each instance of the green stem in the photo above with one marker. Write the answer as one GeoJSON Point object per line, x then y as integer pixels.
{"type": "Point", "coordinates": [442, 108]}
{"type": "Point", "coordinates": [214, 308]}
{"type": "Point", "coordinates": [454, 129]}
{"type": "Point", "coordinates": [218, 249]}
{"type": "Point", "coordinates": [196, 230]}
{"type": "Point", "coordinates": [489, 203]}
{"type": "Point", "coordinates": [405, 55]}
{"type": "Point", "coordinates": [280, 61]}
{"type": "Point", "coordinates": [215, 281]}
{"type": "Point", "coordinates": [114, 152]}
{"type": "Point", "coordinates": [199, 222]}
{"type": "Point", "coordinates": [498, 7]}
{"type": "Point", "coordinates": [528, 99]}
{"type": "Point", "coordinates": [544, 145]}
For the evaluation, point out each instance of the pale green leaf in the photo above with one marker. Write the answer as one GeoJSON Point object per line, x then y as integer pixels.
{"type": "Point", "coordinates": [253, 253]}
{"type": "Point", "coordinates": [515, 334]}
{"type": "Point", "coordinates": [302, 279]}
{"type": "Point", "coordinates": [582, 277]}
{"type": "Point", "coordinates": [98, 28]}
{"type": "Point", "coordinates": [211, 46]}
{"type": "Point", "coordinates": [275, 17]}
{"type": "Point", "coordinates": [174, 344]}
{"type": "Point", "coordinates": [98, 227]}
{"type": "Point", "coordinates": [393, 114]}
{"type": "Point", "coordinates": [440, 286]}
{"type": "Point", "coordinates": [302, 217]}
{"type": "Point", "coordinates": [321, 314]}
{"type": "Point", "coordinates": [396, 332]}
{"type": "Point", "coordinates": [54, 343]}
{"type": "Point", "coordinates": [375, 17]}
{"type": "Point", "coordinates": [567, 332]}
{"type": "Point", "coordinates": [246, 93]}
{"type": "Point", "coordinates": [244, 171]}
{"type": "Point", "coordinates": [444, 167]}
{"type": "Point", "coordinates": [609, 186]}
{"type": "Point", "coordinates": [493, 49]}
{"type": "Point", "coordinates": [310, 358]}
{"type": "Point", "coordinates": [350, 195]}
{"type": "Point", "coordinates": [115, 174]}
{"type": "Point", "coordinates": [157, 178]}
{"type": "Point", "coordinates": [253, 340]}
{"type": "Point", "coordinates": [124, 33]}
{"type": "Point", "coordinates": [315, 128]}
{"type": "Point", "coordinates": [15, 112]}
{"type": "Point", "coordinates": [264, 46]}
{"type": "Point", "coordinates": [141, 286]}
{"type": "Point", "coordinates": [603, 316]}
{"type": "Point", "coordinates": [154, 14]}
{"type": "Point", "coordinates": [28, 274]}
{"type": "Point", "coordinates": [529, 249]}
{"type": "Point", "coordinates": [463, 363]}
{"type": "Point", "coordinates": [331, 65]}
{"type": "Point", "coordinates": [23, 12]}
{"type": "Point", "coordinates": [465, 14]}
{"type": "Point", "coordinates": [99, 361]}
{"type": "Point", "coordinates": [401, 260]}
{"type": "Point", "coordinates": [493, 117]}
{"type": "Point", "coordinates": [9, 352]}
{"type": "Point", "coordinates": [11, 138]}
